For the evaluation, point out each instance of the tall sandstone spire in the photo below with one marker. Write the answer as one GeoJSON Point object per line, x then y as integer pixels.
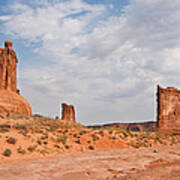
{"type": "Point", "coordinates": [8, 61]}
{"type": "Point", "coordinates": [68, 112]}
{"type": "Point", "coordinates": [10, 100]}
{"type": "Point", "coordinates": [168, 110]}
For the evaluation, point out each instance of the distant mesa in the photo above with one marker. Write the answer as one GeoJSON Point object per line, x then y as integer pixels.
{"type": "Point", "coordinates": [10, 98]}
{"type": "Point", "coordinates": [68, 112]}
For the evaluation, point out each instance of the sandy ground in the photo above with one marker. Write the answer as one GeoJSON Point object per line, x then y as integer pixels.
{"type": "Point", "coordinates": [124, 164]}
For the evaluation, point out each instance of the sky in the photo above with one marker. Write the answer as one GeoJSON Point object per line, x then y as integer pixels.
{"type": "Point", "coordinates": [105, 57]}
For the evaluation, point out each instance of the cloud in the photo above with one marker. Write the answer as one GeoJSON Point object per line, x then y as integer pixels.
{"type": "Point", "coordinates": [99, 63]}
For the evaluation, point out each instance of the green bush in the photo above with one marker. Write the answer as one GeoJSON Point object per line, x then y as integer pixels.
{"type": "Point", "coordinates": [11, 140]}
{"type": "Point", "coordinates": [7, 152]}
{"type": "Point", "coordinates": [91, 147]}
{"type": "Point", "coordinates": [20, 126]}
{"type": "Point", "coordinates": [62, 139]}
{"type": "Point", "coordinates": [77, 141]}
{"type": "Point", "coordinates": [21, 151]}
{"type": "Point", "coordinates": [32, 148]}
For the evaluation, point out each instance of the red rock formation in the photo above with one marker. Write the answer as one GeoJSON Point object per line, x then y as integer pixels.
{"type": "Point", "coordinates": [168, 110]}
{"type": "Point", "coordinates": [68, 112]}
{"type": "Point", "coordinates": [8, 61]}
{"type": "Point", "coordinates": [143, 126]}
{"type": "Point", "coordinates": [10, 100]}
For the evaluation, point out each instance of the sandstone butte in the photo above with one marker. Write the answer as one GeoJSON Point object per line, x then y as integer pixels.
{"type": "Point", "coordinates": [10, 98]}
{"type": "Point", "coordinates": [68, 112]}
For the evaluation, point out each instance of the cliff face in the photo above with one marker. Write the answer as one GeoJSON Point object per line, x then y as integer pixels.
{"type": "Point", "coordinates": [168, 109]}
{"type": "Point", "coordinates": [10, 100]}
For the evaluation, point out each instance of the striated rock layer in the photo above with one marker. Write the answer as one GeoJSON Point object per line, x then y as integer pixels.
{"type": "Point", "coordinates": [10, 100]}
{"type": "Point", "coordinates": [168, 115]}
{"type": "Point", "coordinates": [13, 102]}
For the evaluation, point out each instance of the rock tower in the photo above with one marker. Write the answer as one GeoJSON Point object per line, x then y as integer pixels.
{"type": "Point", "coordinates": [68, 112]}
{"type": "Point", "coordinates": [168, 110]}
{"type": "Point", "coordinates": [10, 100]}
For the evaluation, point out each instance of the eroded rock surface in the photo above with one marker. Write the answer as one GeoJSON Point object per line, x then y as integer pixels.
{"type": "Point", "coordinates": [168, 109]}
{"type": "Point", "coordinates": [10, 100]}
{"type": "Point", "coordinates": [68, 112]}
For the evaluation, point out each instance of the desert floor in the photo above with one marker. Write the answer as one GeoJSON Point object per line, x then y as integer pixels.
{"type": "Point", "coordinates": [124, 164]}
{"type": "Point", "coordinates": [41, 148]}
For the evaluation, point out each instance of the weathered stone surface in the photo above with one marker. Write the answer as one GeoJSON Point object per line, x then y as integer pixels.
{"type": "Point", "coordinates": [10, 100]}
{"type": "Point", "coordinates": [68, 112]}
{"type": "Point", "coordinates": [168, 110]}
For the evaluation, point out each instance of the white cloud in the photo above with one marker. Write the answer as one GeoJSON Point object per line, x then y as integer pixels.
{"type": "Point", "coordinates": [108, 68]}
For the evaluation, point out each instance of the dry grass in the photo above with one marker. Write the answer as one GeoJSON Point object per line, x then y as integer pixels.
{"type": "Point", "coordinates": [44, 135]}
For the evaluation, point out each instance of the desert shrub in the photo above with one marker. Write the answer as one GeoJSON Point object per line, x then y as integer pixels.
{"type": "Point", "coordinates": [125, 134]}
{"type": "Point", "coordinates": [32, 148]}
{"type": "Point", "coordinates": [23, 132]}
{"type": "Point", "coordinates": [60, 131]}
{"type": "Point", "coordinates": [65, 131]}
{"type": "Point", "coordinates": [77, 141]}
{"type": "Point", "coordinates": [114, 138]}
{"type": "Point", "coordinates": [37, 130]}
{"type": "Point", "coordinates": [57, 146]}
{"type": "Point", "coordinates": [45, 142]}
{"type": "Point", "coordinates": [20, 126]}
{"type": "Point", "coordinates": [82, 132]}
{"type": "Point", "coordinates": [75, 135]}
{"type": "Point", "coordinates": [12, 140]}
{"type": "Point", "coordinates": [4, 130]}
{"type": "Point", "coordinates": [131, 134]}
{"type": "Point", "coordinates": [91, 147]}
{"type": "Point", "coordinates": [7, 152]}
{"type": "Point", "coordinates": [95, 137]}
{"type": "Point", "coordinates": [159, 140]}
{"type": "Point", "coordinates": [21, 151]}
{"type": "Point", "coordinates": [62, 139]}
{"type": "Point", "coordinates": [39, 142]}
{"type": "Point", "coordinates": [101, 133]}
{"type": "Point", "coordinates": [52, 129]}
{"type": "Point", "coordinates": [5, 126]}
{"type": "Point", "coordinates": [67, 147]}
{"type": "Point", "coordinates": [44, 137]}
{"type": "Point", "coordinates": [136, 145]}
{"type": "Point", "coordinates": [44, 152]}
{"type": "Point", "coordinates": [89, 142]}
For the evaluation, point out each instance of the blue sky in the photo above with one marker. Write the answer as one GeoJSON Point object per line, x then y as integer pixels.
{"type": "Point", "coordinates": [105, 57]}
